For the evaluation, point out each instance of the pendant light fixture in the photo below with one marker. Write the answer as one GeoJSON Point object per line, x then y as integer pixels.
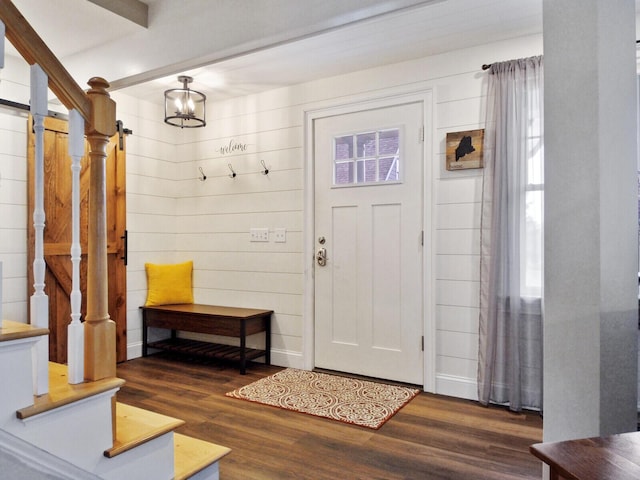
{"type": "Point", "coordinates": [184, 107]}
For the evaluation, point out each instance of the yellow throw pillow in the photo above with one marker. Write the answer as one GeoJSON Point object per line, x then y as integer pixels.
{"type": "Point", "coordinates": [169, 284]}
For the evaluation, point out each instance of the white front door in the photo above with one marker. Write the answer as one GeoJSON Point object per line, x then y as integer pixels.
{"type": "Point", "coordinates": [368, 229]}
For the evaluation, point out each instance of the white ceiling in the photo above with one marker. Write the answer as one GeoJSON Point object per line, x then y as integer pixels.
{"type": "Point", "coordinates": [236, 47]}
{"type": "Point", "coordinates": [394, 37]}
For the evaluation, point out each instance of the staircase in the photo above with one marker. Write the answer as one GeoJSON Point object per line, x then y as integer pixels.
{"type": "Point", "coordinates": [81, 431]}
{"type": "Point", "coordinates": [64, 421]}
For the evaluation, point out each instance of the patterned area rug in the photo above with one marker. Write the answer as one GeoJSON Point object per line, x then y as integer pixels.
{"type": "Point", "coordinates": [347, 400]}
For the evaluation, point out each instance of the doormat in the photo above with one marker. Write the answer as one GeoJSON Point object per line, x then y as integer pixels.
{"type": "Point", "coordinates": [348, 400]}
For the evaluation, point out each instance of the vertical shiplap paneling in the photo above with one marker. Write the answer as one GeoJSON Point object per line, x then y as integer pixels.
{"type": "Point", "coordinates": [216, 215]}
{"type": "Point", "coordinates": [151, 169]}
{"type": "Point", "coordinates": [172, 215]}
{"type": "Point", "coordinates": [13, 192]}
{"type": "Point", "coordinates": [460, 106]}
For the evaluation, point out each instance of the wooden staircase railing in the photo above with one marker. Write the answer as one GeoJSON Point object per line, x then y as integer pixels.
{"type": "Point", "coordinates": [140, 440]}
{"type": "Point", "coordinates": [98, 111]}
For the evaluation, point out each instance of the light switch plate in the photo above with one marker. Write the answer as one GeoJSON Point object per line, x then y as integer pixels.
{"type": "Point", "coordinates": [259, 235]}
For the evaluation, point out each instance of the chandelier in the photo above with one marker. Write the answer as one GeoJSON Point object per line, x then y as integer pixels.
{"type": "Point", "coordinates": [184, 107]}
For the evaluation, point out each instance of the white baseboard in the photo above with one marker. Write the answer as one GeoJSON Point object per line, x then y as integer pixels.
{"type": "Point", "coordinates": [449, 385]}
{"type": "Point", "coordinates": [283, 358]}
{"type": "Point", "coordinates": [460, 387]}
{"type": "Point", "coordinates": [134, 350]}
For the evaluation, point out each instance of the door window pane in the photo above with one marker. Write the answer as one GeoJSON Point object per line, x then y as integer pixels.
{"type": "Point", "coordinates": [344, 148]}
{"type": "Point", "coordinates": [388, 142]}
{"type": "Point", "coordinates": [343, 173]}
{"type": "Point", "coordinates": [367, 157]}
{"type": "Point", "coordinates": [388, 170]}
{"type": "Point", "coordinates": [366, 171]}
{"type": "Point", "coordinates": [366, 144]}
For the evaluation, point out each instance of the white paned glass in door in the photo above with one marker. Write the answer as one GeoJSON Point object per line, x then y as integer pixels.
{"type": "Point", "coordinates": [367, 158]}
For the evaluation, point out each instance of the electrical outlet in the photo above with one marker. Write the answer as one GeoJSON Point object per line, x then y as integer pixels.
{"type": "Point", "coordinates": [259, 235]}
{"type": "Point", "coordinates": [280, 235]}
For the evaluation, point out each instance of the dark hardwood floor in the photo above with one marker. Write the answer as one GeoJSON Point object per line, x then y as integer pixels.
{"type": "Point", "coordinates": [432, 437]}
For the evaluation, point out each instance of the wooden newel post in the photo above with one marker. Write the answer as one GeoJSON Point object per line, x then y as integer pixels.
{"type": "Point", "coordinates": [100, 330]}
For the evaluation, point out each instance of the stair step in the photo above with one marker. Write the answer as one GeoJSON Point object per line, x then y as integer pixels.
{"type": "Point", "coordinates": [135, 426]}
{"type": "Point", "coordinates": [62, 393]}
{"type": "Point", "coordinates": [15, 330]}
{"type": "Point", "coordinates": [193, 455]}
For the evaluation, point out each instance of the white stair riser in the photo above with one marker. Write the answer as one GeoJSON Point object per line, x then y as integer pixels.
{"type": "Point", "coordinates": [40, 461]}
{"type": "Point", "coordinates": [212, 472]}
{"type": "Point", "coordinates": [151, 460]}
{"type": "Point", "coordinates": [15, 377]}
{"type": "Point", "coordinates": [78, 433]}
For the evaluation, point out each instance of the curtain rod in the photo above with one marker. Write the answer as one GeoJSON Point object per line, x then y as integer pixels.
{"type": "Point", "coordinates": [487, 66]}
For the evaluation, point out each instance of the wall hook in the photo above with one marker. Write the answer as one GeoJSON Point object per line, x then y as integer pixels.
{"type": "Point", "coordinates": [266, 170]}
{"type": "Point", "coordinates": [232, 174]}
{"type": "Point", "coordinates": [202, 176]}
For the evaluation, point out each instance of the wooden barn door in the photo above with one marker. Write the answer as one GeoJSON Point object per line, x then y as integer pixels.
{"type": "Point", "coordinates": [57, 233]}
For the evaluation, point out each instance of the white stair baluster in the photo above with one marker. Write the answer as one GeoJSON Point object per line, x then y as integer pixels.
{"type": "Point", "coordinates": [75, 330]}
{"type": "Point", "coordinates": [39, 300]}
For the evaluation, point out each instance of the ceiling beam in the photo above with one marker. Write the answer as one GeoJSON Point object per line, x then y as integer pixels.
{"type": "Point", "coordinates": [133, 10]}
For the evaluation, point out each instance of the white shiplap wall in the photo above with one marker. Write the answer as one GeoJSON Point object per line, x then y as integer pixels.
{"type": "Point", "coordinates": [151, 202]}
{"type": "Point", "coordinates": [14, 85]}
{"type": "Point", "coordinates": [214, 216]}
{"type": "Point", "coordinates": [174, 216]}
{"type": "Point", "coordinates": [460, 106]}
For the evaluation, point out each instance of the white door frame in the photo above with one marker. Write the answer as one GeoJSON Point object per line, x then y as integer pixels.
{"type": "Point", "coordinates": [429, 324]}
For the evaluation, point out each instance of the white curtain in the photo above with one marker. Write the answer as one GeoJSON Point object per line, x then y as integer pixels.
{"type": "Point", "coordinates": [510, 341]}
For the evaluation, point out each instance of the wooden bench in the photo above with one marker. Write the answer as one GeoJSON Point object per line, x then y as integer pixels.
{"type": "Point", "coordinates": [210, 319]}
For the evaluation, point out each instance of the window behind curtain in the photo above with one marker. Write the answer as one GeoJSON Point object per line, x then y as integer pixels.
{"type": "Point", "coordinates": [532, 259]}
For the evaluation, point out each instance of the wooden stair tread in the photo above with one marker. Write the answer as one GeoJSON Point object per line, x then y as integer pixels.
{"type": "Point", "coordinates": [10, 330]}
{"type": "Point", "coordinates": [193, 455]}
{"type": "Point", "coordinates": [135, 426]}
{"type": "Point", "coordinates": [62, 393]}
